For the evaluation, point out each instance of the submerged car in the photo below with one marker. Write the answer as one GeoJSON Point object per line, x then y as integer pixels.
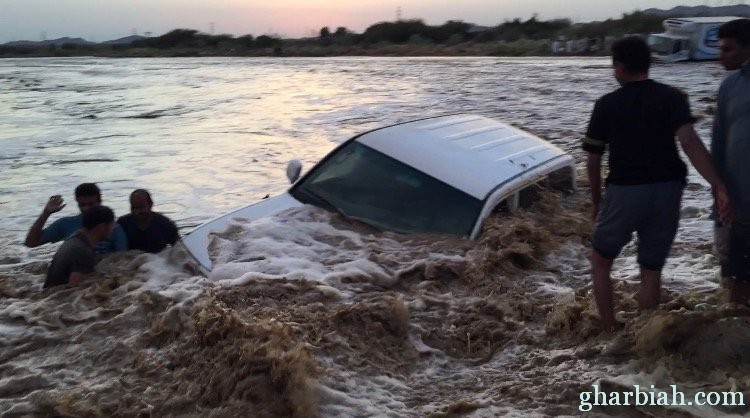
{"type": "Point", "coordinates": [442, 175]}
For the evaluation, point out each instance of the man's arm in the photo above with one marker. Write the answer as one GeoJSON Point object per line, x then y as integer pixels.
{"type": "Point", "coordinates": [718, 133]}
{"type": "Point", "coordinates": [718, 144]}
{"type": "Point", "coordinates": [35, 238]}
{"type": "Point", "coordinates": [594, 169]}
{"type": "Point", "coordinates": [701, 160]}
{"type": "Point", "coordinates": [719, 141]}
{"type": "Point", "coordinates": [595, 144]}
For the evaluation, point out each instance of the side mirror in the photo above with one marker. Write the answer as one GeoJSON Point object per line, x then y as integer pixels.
{"type": "Point", "coordinates": [293, 170]}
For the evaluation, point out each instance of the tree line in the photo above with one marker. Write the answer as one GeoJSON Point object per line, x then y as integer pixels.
{"type": "Point", "coordinates": [416, 31]}
{"type": "Point", "coordinates": [413, 31]}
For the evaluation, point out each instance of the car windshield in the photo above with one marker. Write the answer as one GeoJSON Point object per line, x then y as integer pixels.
{"type": "Point", "coordinates": [369, 186]}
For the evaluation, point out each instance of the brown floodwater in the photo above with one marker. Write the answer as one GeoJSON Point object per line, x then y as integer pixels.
{"type": "Point", "coordinates": [306, 314]}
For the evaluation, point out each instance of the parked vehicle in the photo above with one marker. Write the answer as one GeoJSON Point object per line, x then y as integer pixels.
{"type": "Point", "coordinates": [441, 175]}
{"type": "Point", "coordinates": [688, 38]}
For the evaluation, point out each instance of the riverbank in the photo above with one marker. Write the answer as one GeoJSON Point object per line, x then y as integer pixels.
{"type": "Point", "coordinates": [520, 48]}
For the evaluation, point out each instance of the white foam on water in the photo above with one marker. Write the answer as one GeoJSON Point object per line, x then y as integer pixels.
{"type": "Point", "coordinates": [364, 396]}
{"type": "Point", "coordinates": [303, 244]}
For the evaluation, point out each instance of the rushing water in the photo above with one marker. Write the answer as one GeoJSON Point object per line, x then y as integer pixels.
{"type": "Point", "coordinates": [306, 314]}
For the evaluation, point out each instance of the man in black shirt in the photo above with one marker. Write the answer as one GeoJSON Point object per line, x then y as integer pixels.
{"type": "Point", "coordinates": [75, 258]}
{"type": "Point", "coordinates": [146, 230]}
{"type": "Point", "coordinates": [639, 122]}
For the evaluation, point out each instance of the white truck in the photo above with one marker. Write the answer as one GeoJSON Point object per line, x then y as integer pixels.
{"type": "Point", "coordinates": [688, 38]}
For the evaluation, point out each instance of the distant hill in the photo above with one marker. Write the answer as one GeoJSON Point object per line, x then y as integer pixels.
{"type": "Point", "coordinates": [56, 42]}
{"type": "Point", "coordinates": [699, 11]}
{"type": "Point", "coordinates": [124, 41]}
{"type": "Point", "coordinates": [73, 41]}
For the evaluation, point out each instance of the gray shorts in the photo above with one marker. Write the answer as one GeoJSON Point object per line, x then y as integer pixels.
{"type": "Point", "coordinates": [651, 210]}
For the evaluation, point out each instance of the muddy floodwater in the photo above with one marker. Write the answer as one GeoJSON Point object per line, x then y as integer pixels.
{"type": "Point", "coordinates": [306, 314]}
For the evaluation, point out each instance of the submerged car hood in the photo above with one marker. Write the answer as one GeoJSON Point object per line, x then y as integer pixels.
{"type": "Point", "coordinates": [196, 242]}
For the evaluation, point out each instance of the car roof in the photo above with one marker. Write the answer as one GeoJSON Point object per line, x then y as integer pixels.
{"type": "Point", "coordinates": [472, 153]}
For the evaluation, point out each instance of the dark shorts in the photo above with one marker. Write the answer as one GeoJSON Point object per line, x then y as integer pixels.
{"type": "Point", "coordinates": [651, 210]}
{"type": "Point", "coordinates": [739, 250]}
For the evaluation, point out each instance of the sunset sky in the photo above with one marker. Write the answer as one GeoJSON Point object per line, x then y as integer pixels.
{"type": "Point", "coordinates": [101, 20]}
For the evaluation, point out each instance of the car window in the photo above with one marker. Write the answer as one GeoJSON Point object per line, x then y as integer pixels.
{"type": "Point", "coordinates": [369, 186]}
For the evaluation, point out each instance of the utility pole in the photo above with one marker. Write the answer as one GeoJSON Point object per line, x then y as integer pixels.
{"type": "Point", "coordinates": [43, 36]}
{"type": "Point", "coordinates": [211, 26]}
{"type": "Point", "coordinates": [398, 14]}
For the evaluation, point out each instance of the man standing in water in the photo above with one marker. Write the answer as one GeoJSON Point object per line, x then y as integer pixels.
{"type": "Point", "coordinates": [730, 147]}
{"type": "Point", "coordinates": [87, 196]}
{"type": "Point", "coordinates": [75, 258]}
{"type": "Point", "coordinates": [147, 230]}
{"type": "Point", "coordinates": [639, 122]}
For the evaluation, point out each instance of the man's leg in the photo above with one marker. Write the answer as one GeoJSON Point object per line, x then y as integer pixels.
{"type": "Point", "coordinates": [603, 294]}
{"type": "Point", "coordinates": [739, 262]}
{"type": "Point", "coordinates": [618, 217]}
{"type": "Point", "coordinates": [650, 294]}
{"type": "Point", "coordinates": [655, 237]}
{"type": "Point", "coordinates": [721, 251]}
{"type": "Point", "coordinates": [739, 292]}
